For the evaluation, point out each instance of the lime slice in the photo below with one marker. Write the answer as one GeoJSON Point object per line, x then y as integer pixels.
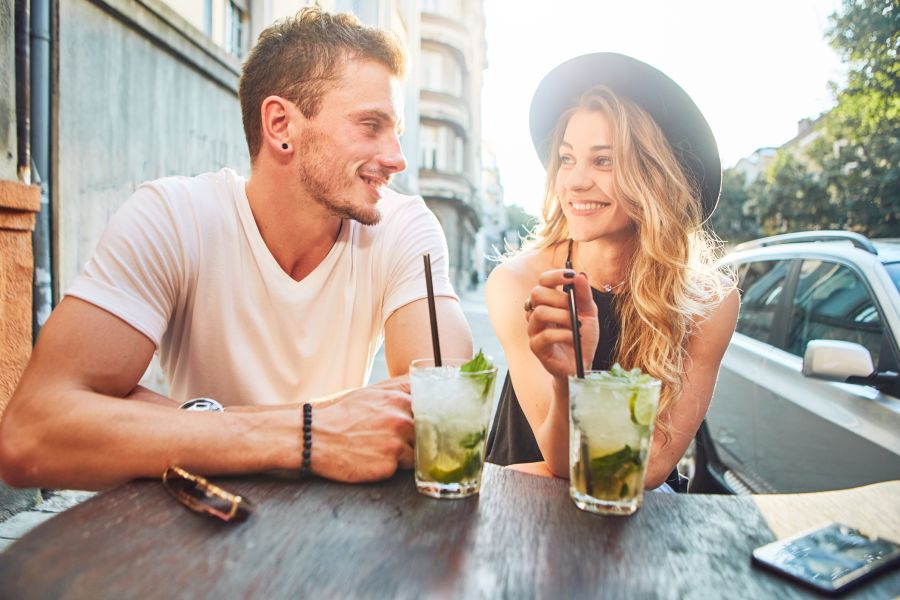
{"type": "Point", "coordinates": [446, 470]}
{"type": "Point", "coordinates": [643, 408]}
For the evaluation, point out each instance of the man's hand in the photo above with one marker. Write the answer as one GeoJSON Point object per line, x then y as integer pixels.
{"type": "Point", "coordinates": [399, 384]}
{"type": "Point", "coordinates": [365, 435]}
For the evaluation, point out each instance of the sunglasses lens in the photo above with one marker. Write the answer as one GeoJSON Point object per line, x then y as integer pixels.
{"type": "Point", "coordinates": [206, 498]}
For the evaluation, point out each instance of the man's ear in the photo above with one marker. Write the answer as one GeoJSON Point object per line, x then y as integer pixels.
{"type": "Point", "coordinates": [278, 118]}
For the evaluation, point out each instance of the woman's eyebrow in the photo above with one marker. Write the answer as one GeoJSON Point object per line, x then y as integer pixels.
{"type": "Point", "coordinates": [593, 148]}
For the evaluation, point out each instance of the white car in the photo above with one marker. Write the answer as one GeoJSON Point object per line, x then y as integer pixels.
{"type": "Point", "coordinates": [808, 397]}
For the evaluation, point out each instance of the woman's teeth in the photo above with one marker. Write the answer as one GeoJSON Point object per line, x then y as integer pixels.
{"type": "Point", "coordinates": [588, 205]}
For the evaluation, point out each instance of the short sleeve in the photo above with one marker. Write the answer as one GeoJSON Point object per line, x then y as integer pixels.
{"type": "Point", "coordinates": [136, 271]}
{"type": "Point", "coordinates": [414, 231]}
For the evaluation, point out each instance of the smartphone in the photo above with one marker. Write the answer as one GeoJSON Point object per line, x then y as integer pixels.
{"type": "Point", "coordinates": [830, 559]}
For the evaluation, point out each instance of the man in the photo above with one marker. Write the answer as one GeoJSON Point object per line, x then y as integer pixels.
{"type": "Point", "coordinates": [262, 294]}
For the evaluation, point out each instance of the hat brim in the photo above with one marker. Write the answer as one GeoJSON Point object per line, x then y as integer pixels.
{"type": "Point", "coordinates": [678, 117]}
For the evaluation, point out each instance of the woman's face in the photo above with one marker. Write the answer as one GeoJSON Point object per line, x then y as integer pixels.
{"type": "Point", "coordinates": [584, 182]}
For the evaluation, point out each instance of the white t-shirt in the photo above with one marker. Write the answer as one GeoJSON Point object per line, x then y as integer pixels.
{"type": "Point", "coordinates": [184, 263]}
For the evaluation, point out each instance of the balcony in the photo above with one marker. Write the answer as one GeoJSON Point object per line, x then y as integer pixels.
{"type": "Point", "coordinates": [439, 106]}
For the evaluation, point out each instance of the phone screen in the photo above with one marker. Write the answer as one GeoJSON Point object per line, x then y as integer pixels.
{"type": "Point", "coordinates": [830, 558]}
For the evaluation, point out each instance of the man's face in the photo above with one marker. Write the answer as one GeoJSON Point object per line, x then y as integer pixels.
{"type": "Point", "coordinates": [350, 150]}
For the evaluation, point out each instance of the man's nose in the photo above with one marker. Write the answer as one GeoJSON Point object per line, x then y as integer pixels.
{"type": "Point", "coordinates": [392, 158]}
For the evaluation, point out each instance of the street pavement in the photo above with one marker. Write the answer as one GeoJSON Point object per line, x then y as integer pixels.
{"type": "Point", "coordinates": [56, 501]}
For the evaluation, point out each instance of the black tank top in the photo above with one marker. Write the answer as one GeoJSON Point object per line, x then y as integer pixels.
{"type": "Point", "coordinates": [512, 440]}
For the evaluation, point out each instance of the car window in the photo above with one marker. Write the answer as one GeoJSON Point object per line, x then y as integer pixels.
{"type": "Point", "coordinates": [831, 302]}
{"type": "Point", "coordinates": [761, 284]}
{"type": "Point", "coordinates": [893, 270]}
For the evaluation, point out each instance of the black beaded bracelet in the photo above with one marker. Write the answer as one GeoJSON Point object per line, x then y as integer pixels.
{"type": "Point", "coordinates": [307, 439]}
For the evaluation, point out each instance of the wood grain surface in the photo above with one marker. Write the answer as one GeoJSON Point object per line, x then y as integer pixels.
{"type": "Point", "coordinates": [521, 538]}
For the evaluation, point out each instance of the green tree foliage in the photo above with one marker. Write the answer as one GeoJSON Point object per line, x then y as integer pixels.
{"type": "Point", "coordinates": [519, 221]}
{"type": "Point", "coordinates": [860, 153]}
{"type": "Point", "coordinates": [791, 198]}
{"type": "Point", "coordinates": [849, 178]}
{"type": "Point", "coordinates": [730, 221]}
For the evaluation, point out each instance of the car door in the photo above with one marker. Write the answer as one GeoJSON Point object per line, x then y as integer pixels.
{"type": "Point", "coordinates": [734, 414]}
{"type": "Point", "coordinates": [813, 435]}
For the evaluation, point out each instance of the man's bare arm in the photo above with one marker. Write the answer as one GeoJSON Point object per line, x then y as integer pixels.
{"type": "Point", "coordinates": [407, 334]}
{"type": "Point", "coordinates": [68, 426]}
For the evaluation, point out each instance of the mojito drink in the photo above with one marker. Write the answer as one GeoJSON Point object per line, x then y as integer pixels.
{"type": "Point", "coordinates": [612, 414]}
{"type": "Point", "coordinates": [452, 407]}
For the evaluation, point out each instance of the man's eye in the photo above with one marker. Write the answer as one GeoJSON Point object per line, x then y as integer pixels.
{"type": "Point", "coordinates": [372, 126]}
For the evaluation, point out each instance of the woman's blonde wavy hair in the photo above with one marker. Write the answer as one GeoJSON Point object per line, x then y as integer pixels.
{"type": "Point", "coordinates": [672, 279]}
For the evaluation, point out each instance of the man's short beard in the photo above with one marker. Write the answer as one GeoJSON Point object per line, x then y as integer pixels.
{"type": "Point", "coordinates": [324, 180]}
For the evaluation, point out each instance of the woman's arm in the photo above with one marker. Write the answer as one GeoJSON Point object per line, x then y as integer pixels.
{"type": "Point", "coordinates": [705, 350]}
{"type": "Point", "coordinates": [538, 347]}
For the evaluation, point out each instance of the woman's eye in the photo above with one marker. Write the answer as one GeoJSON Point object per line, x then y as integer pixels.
{"type": "Point", "coordinates": [603, 161]}
{"type": "Point", "coordinates": [566, 160]}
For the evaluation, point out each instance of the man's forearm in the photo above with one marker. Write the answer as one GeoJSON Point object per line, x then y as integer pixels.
{"type": "Point", "coordinates": [85, 440]}
{"type": "Point", "coordinates": [147, 395]}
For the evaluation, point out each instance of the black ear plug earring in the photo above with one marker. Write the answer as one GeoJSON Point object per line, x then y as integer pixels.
{"type": "Point", "coordinates": [284, 146]}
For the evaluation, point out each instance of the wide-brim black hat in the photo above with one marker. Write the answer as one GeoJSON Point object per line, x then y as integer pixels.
{"type": "Point", "coordinates": [673, 110]}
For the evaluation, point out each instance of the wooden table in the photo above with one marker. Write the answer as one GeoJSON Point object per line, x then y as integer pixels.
{"type": "Point", "coordinates": [521, 538]}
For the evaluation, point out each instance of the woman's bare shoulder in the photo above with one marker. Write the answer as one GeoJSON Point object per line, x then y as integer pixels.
{"type": "Point", "coordinates": [509, 285]}
{"type": "Point", "coordinates": [523, 269]}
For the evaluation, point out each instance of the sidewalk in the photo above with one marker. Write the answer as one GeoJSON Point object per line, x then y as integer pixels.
{"type": "Point", "coordinates": [23, 522]}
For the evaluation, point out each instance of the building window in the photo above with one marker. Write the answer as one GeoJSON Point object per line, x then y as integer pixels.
{"type": "Point", "coordinates": [441, 148]}
{"type": "Point", "coordinates": [441, 72]}
{"type": "Point", "coordinates": [223, 21]}
{"type": "Point", "coordinates": [445, 8]}
{"type": "Point", "coordinates": [234, 29]}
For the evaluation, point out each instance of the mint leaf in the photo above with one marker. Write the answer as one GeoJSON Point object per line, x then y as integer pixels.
{"type": "Point", "coordinates": [477, 364]}
{"type": "Point", "coordinates": [617, 374]}
{"type": "Point", "coordinates": [604, 467]}
{"type": "Point", "coordinates": [471, 440]}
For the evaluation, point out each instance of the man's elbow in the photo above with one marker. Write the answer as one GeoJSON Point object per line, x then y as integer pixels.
{"type": "Point", "coordinates": [19, 449]}
{"type": "Point", "coordinates": [14, 461]}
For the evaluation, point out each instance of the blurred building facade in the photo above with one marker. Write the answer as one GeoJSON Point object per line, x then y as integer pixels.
{"type": "Point", "coordinates": [494, 237]}
{"type": "Point", "coordinates": [755, 165]}
{"type": "Point", "coordinates": [451, 63]}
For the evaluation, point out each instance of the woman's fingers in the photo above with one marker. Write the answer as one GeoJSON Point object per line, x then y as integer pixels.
{"type": "Point", "coordinates": [556, 277]}
{"type": "Point", "coordinates": [543, 341]}
{"type": "Point", "coordinates": [544, 316]}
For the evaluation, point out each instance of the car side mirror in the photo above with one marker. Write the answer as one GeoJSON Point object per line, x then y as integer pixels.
{"type": "Point", "coordinates": [846, 362]}
{"type": "Point", "coordinates": [835, 360]}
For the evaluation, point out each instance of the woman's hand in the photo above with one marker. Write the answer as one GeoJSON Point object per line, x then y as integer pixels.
{"type": "Point", "coordinates": [549, 324]}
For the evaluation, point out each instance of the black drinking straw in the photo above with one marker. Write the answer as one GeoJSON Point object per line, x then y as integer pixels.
{"type": "Point", "coordinates": [432, 313]}
{"type": "Point", "coordinates": [573, 317]}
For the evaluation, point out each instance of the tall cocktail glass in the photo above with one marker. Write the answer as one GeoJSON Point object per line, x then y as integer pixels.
{"type": "Point", "coordinates": [451, 409]}
{"type": "Point", "coordinates": [611, 419]}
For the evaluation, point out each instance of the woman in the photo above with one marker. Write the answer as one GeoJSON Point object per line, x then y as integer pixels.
{"type": "Point", "coordinates": [632, 173]}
